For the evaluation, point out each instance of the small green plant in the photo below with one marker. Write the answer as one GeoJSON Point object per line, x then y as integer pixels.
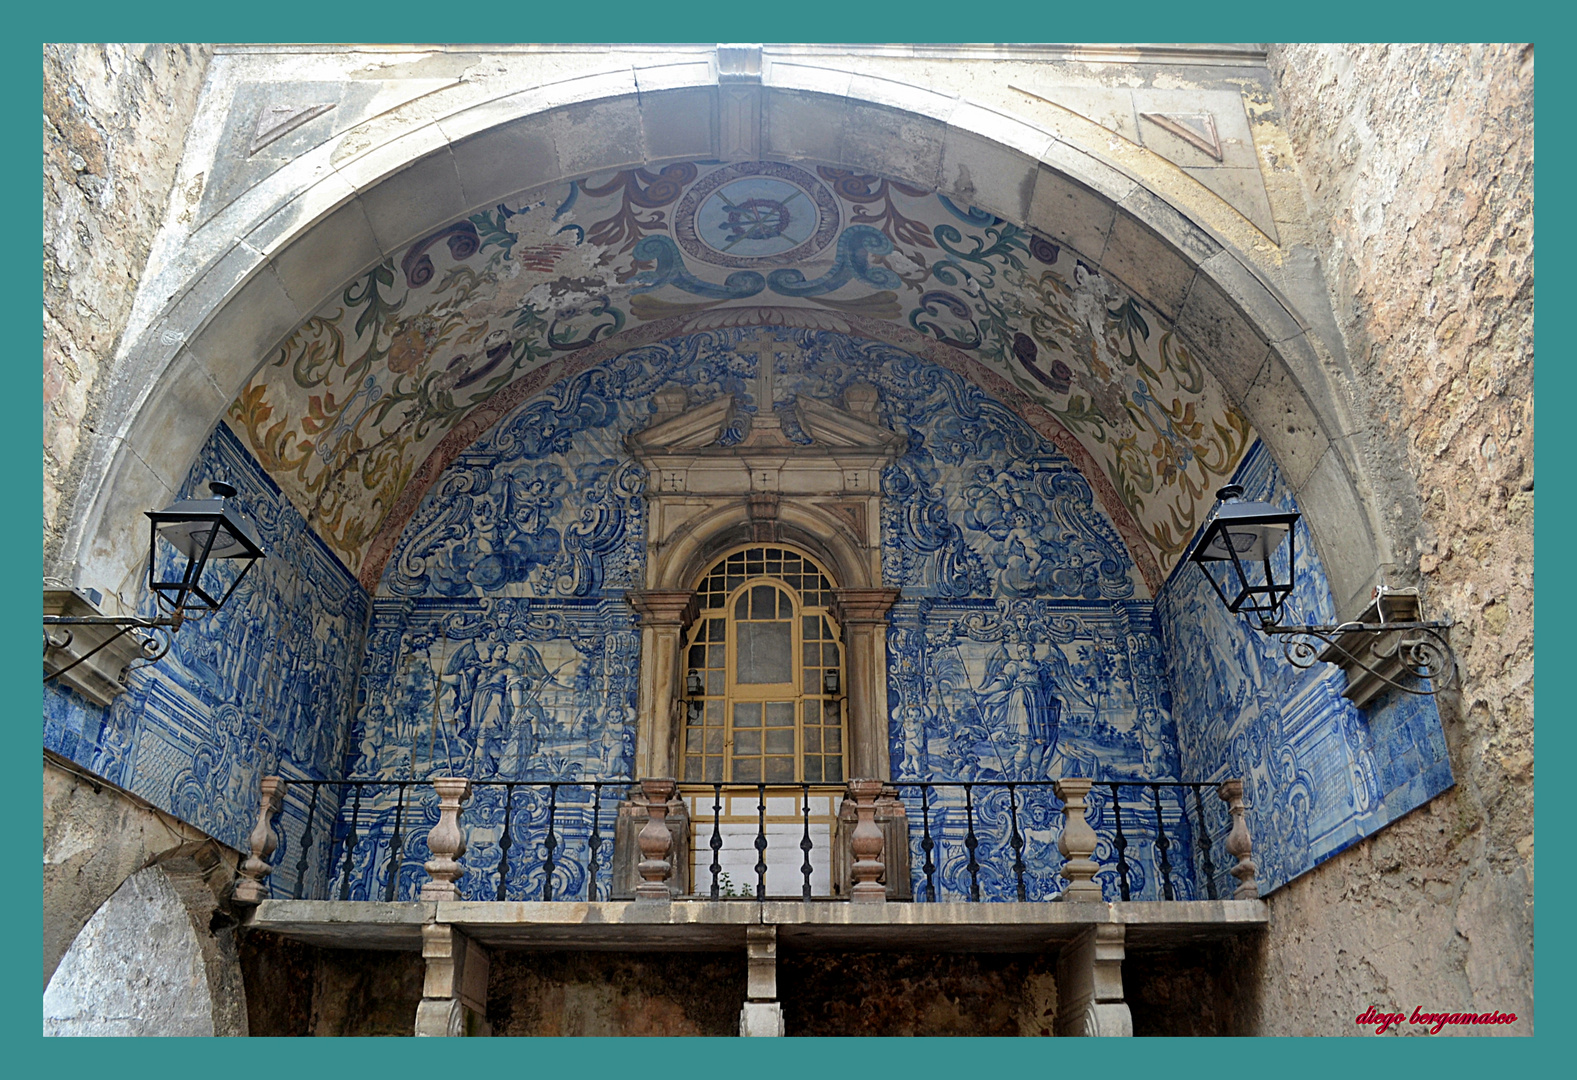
{"type": "Point", "coordinates": [726, 886]}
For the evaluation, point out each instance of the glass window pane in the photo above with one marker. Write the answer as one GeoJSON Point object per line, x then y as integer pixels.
{"type": "Point", "coordinates": [714, 740]}
{"type": "Point", "coordinates": [780, 714]}
{"type": "Point", "coordinates": [833, 740]}
{"type": "Point", "coordinates": [811, 627]}
{"type": "Point", "coordinates": [812, 739]}
{"type": "Point", "coordinates": [813, 770]}
{"type": "Point", "coordinates": [747, 743]}
{"type": "Point", "coordinates": [780, 770]}
{"type": "Point", "coordinates": [714, 656]}
{"type": "Point", "coordinates": [747, 714]}
{"type": "Point", "coordinates": [740, 610]}
{"type": "Point", "coordinates": [812, 712]}
{"type": "Point", "coordinates": [714, 768]}
{"type": "Point", "coordinates": [763, 602]}
{"type": "Point", "coordinates": [698, 656]}
{"type": "Point", "coordinates": [714, 683]}
{"type": "Point", "coordinates": [780, 740]}
{"type": "Point", "coordinates": [692, 768]}
{"type": "Point", "coordinates": [764, 653]}
{"type": "Point", "coordinates": [747, 770]}
{"type": "Point", "coordinates": [714, 713]}
{"type": "Point", "coordinates": [833, 770]}
{"type": "Point", "coordinates": [812, 655]}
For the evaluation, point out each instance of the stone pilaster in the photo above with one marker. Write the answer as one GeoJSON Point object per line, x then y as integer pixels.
{"type": "Point", "coordinates": [862, 613]}
{"type": "Point", "coordinates": [762, 1014]}
{"type": "Point", "coordinates": [664, 617]}
{"type": "Point", "coordinates": [454, 988]}
{"type": "Point", "coordinates": [1090, 984]}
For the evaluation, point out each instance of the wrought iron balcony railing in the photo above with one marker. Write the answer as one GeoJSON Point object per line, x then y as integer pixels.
{"type": "Point", "coordinates": [868, 841]}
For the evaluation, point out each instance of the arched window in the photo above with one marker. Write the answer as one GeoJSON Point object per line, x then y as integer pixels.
{"type": "Point", "coordinates": [766, 655]}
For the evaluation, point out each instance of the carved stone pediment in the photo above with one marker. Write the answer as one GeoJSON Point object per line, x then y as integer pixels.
{"type": "Point", "coordinates": [692, 429]}
{"type": "Point", "coordinates": [846, 452]}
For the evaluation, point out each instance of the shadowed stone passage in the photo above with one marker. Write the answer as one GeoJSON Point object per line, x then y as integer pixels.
{"type": "Point", "coordinates": [136, 969]}
{"type": "Point", "coordinates": [612, 994]}
{"type": "Point", "coordinates": [893, 993]}
{"type": "Point", "coordinates": [294, 989]}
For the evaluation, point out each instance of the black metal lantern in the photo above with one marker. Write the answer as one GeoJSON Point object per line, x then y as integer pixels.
{"type": "Point", "coordinates": [829, 682]}
{"type": "Point", "coordinates": [692, 684]}
{"type": "Point", "coordinates": [1388, 646]}
{"type": "Point", "coordinates": [202, 530]}
{"type": "Point", "coordinates": [1237, 553]}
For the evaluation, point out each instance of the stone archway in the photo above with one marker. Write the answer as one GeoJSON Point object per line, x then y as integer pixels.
{"type": "Point", "coordinates": [259, 268]}
{"type": "Point", "coordinates": [146, 963]}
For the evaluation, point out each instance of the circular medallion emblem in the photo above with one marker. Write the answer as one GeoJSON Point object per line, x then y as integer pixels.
{"type": "Point", "coordinates": [754, 213]}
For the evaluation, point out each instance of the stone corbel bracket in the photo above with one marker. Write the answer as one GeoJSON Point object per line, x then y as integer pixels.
{"type": "Point", "coordinates": [99, 677]}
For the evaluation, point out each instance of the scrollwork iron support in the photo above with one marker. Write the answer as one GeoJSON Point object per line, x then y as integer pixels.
{"type": "Point", "coordinates": [154, 637]}
{"type": "Point", "coordinates": [1418, 648]}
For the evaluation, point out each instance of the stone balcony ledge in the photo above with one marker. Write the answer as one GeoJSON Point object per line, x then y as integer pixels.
{"type": "Point", "coordinates": [700, 925]}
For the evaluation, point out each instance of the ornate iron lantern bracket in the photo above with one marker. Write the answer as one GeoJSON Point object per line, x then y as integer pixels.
{"type": "Point", "coordinates": [1240, 552]}
{"type": "Point", "coordinates": [201, 530]}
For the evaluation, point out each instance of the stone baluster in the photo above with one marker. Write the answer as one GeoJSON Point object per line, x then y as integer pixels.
{"type": "Point", "coordinates": [446, 841]}
{"type": "Point", "coordinates": [255, 867]}
{"type": "Point", "coordinates": [1239, 843]}
{"type": "Point", "coordinates": [1077, 843]}
{"type": "Point", "coordinates": [656, 842]}
{"type": "Point", "coordinates": [866, 844]}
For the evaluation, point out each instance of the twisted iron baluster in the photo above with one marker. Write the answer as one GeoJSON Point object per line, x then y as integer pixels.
{"type": "Point", "coordinates": [761, 842]}
{"type": "Point", "coordinates": [306, 841]}
{"type": "Point", "coordinates": [928, 845]}
{"type": "Point", "coordinates": [1120, 842]}
{"type": "Point", "coordinates": [350, 844]}
{"type": "Point", "coordinates": [549, 843]}
{"type": "Point", "coordinates": [594, 842]}
{"type": "Point", "coordinates": [1017, 841]}
{"type": "Point", "coordinates": [506, 840]}
{"type": "Point", "coordinates": [971, 843]}
{"type": "Point", "coordinates": [1204, 841]}
{"type": "Point", "coordinates": [396, 848]}
{"type": "Point", "coordinates": [805, 844]}
{"type": "Point", "coordinates": [716, 843]}
{"type": "Point", "coordinates": [1161, 845]}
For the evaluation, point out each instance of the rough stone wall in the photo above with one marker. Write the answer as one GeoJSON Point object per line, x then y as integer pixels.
{"type": "Point", "coordinates": [115, 123]}
{"type": "Point", "coordinates": [1417, 164]}
{"type": "Point", "coordinates": [97, 835]}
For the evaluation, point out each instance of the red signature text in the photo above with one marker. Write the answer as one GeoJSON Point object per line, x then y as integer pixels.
{"type": "Point", "coordinates": [1434, 1021]}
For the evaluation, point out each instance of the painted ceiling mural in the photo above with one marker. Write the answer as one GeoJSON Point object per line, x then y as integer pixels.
{"type": "Point", "coordinates": [360, 411]}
